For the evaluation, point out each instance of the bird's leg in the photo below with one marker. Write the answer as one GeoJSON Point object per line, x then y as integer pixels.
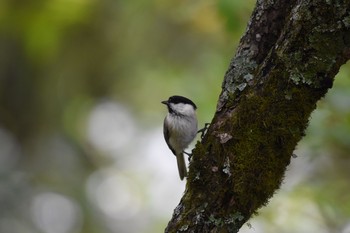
{"type": "Point", "coordinates": [189, 155]}
{"type": "Point", "coordinates": [204, 130]}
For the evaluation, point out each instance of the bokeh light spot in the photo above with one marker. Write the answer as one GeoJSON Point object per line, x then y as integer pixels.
{"type": "Point", "coordinates": [110, 127]}
{"type": "Point", "coordinates": [55, 213]}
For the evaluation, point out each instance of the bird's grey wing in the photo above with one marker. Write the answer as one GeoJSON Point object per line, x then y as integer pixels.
{"type": "Point", "coordinates": [167, 136]}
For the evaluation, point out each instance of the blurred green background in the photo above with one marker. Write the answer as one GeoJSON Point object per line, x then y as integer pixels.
{"type": "Point", "coordinates": [81, 144]}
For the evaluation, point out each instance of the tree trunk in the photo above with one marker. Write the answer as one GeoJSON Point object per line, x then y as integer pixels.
{"type": "Point", "coordinates": [285, 63]}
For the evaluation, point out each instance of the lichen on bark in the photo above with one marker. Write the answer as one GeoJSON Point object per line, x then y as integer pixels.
{"type": "Point", "coordinates": [282, 67]}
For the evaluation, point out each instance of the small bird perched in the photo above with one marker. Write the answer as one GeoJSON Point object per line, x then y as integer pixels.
{"type": "Point", "coordinates": [180, 128]}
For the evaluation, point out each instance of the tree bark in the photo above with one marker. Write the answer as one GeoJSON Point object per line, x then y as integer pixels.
{"type": "Point", "coordinates": [284, 64]}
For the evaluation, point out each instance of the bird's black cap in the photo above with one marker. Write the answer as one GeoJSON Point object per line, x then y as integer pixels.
{"type": "Point", "coordinates": [176, 99]}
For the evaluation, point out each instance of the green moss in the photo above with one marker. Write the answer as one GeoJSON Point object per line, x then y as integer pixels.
{"type": "Point", "coordinates": [265, 140]}
{"type": "Point", "coordinates": [310, 56]}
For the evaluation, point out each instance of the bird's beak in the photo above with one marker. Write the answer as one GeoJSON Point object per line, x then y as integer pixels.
{"type": "Point", "coordinates": [165, 102]}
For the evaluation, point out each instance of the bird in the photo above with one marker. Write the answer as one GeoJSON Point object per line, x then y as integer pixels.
{"type": "Point", "coordinates": [180, 128]}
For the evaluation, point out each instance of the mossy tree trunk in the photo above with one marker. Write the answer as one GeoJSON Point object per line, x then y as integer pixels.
{"type": "Point", "coordinates": [285, 63]}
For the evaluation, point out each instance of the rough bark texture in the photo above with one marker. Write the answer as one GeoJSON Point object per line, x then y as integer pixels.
{"type": "Point", "coordinates": [285, 63]}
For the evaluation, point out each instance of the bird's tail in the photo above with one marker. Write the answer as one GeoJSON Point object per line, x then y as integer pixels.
{"type": "Point", "coordinates": [181, 165]}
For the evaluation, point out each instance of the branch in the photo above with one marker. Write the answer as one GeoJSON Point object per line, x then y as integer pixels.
{"type": "Point", "coordinates": [285, 63]}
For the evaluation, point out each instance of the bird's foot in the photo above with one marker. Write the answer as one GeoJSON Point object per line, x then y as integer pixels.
{"type": "Point", "coordinates": [189, 155]}
{"type": "Point", "coordinates": [204, 130]}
